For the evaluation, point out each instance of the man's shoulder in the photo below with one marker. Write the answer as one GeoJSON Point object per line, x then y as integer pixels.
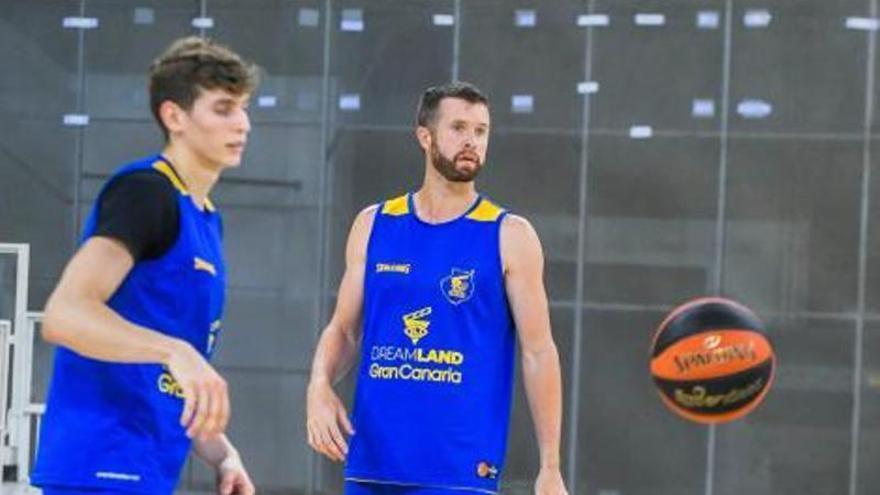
{"type": "Point", "coordinates": [143, 163]}
{"type": "Point", "coordinates": [516, 225]}
{"type": "Point", "coordinates": [148, 172]}
{"type": "Point", "coordinates": [363, 221]}
{"type": "Point", "coordinates": [141, 182]}
{"type": "Point", "coordinates": [368, 213]}
{"type": "Point", "coordinates": [519, 241]}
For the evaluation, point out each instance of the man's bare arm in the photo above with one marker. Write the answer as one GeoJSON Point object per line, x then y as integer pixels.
{"type": "Point", "coordinates": [77, 317]}
{"type": "Point", "coordinates": [524, 268]}
{"type": "Point", "coordinates": [337, 348]}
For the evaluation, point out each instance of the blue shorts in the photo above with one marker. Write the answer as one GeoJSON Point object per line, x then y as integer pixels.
{"type": "Point", "coordinates": [61, 490]}
{"type": "Point", "coordinates": [360, 488]}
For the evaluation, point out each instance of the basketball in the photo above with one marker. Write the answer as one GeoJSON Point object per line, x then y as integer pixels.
{"type": "Point", "coordinates": [711, 360]}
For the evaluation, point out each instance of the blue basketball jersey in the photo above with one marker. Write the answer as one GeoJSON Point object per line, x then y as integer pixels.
{"type": "Point", "coordinates": [433, 396]}
{"type": "Point", "coordinates": [116, 426]}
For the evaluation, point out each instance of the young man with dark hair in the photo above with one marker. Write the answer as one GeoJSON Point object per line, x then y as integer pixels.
{"type": "Point", "coordinates": [437, 288]}
{"type": "Point", "coordinates": [138, 309]}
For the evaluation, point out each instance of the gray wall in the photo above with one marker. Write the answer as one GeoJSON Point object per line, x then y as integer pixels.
{"type": "Point", "coordinates": [779, 212]}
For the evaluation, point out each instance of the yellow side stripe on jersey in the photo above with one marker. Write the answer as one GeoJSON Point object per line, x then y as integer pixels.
{"type": "Point", "coordinates": [397, 206]}
{"type": "Point", "coordinates": [486, 211]}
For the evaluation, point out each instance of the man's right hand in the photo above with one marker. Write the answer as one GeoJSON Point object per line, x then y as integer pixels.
{"type": "Point", "coordinates": [325, 413]}
{"type": "Point", "coordinates": [206, 397]}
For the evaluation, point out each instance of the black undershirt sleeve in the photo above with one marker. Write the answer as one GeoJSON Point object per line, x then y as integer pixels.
{"type": "Point", "coordinates": [140, 210]}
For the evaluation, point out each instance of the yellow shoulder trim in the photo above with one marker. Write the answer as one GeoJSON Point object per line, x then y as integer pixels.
{"type": "Point", "coordinates": [166, 170]}
{"type": "Point", "coordinates": [397, 206]}
{"type": "Point", "coordinates": [486, 211]}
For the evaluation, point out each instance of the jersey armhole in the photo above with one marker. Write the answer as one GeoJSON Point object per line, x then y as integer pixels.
{"type": "Point", "coordinates": [501, 217]}
{"type": "Point", "coordinates": [377, 212]}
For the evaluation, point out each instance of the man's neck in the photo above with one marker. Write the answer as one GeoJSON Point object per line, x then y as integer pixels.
{"type": "Point", "coordinates": [440, 200]}
{"type": "Point", "coordinates": [198, 176]}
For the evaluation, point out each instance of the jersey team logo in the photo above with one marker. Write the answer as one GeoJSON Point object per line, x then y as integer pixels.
{"type": "Point", "coordinates": [487, 470]}
{"type": "Point", "coordinates": [415, 327]}
{"type": "Point", "coordinates": [458, 287]}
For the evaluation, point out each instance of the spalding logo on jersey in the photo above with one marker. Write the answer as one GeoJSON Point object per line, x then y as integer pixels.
{"type": "Point", "coordinates": [458, 287]}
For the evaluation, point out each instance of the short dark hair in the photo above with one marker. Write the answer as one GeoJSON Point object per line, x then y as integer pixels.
{"type": "Point", "coordinates": [192, 64]}
{"type": "Point", "coordinates": [431, 98]}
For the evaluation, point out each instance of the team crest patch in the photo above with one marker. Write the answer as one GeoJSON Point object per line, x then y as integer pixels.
{"type": "Point", "coordinates": [458, 287]}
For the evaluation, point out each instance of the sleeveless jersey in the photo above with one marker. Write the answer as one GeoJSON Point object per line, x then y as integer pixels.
{"type": "Point", "coordinates": [433, 397]}
{"type": "Point", "coordinates": [116, 426]}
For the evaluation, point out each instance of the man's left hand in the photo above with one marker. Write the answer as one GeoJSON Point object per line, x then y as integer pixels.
{"type": "Point", "coordinates": [550, 482]}
{"type": "Point", "coordinates": [233, 479]}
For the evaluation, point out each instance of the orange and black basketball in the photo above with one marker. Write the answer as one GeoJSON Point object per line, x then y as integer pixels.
{"type": "Point", "coordinates": [711, 360]}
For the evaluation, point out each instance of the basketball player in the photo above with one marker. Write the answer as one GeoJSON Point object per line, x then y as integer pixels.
{"type": "Point", "coordinates": [138, 308]}
{"type": "Point", "coordinates": [438, 285]}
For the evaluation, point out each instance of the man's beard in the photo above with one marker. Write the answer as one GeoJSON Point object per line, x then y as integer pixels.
{"type": "Point", "coordinates": [447, 169]}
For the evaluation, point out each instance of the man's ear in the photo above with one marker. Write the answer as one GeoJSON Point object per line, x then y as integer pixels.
{"type": "Point", "coordinates": [425, 137]}
{"type": "Point", "coordinates": [172, 116]}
